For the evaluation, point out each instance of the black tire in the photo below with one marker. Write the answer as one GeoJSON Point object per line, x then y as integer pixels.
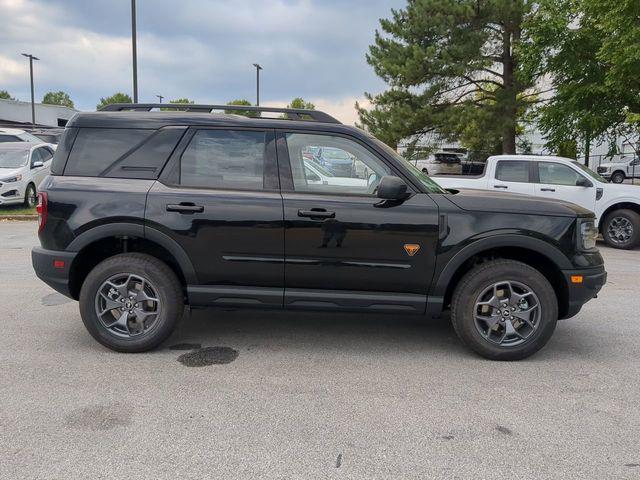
{"type": "Point", "coordinates": [614, 217]}
{"type": "Point", "coordinates": [483, 276]}
{"type": "Point", "coordinates": [618, 177]}
{"type": "Point", "coordinates": [425, 171]}
{"type": "Point", "coordinates": [30, 200]}
{"type": "Point", "coordinates": [168, 290]}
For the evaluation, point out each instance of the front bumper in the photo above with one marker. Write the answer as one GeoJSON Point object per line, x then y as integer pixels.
{"type": "Point", "coordinates": [48, 268]}
{"type": "Point", "coordinates": [12, 192]}
{"type": "Point", "coordinates": [593, 279]}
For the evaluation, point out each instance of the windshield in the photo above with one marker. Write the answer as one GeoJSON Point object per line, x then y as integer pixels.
{"type": "Point", "coordinates": [429, 184]}
{"type": "Point", "coordinates": [13, 158]}
{"type": "Point", "coordinates": [334, 153]}
{"type": "Point", "coordinates": [589, 172]}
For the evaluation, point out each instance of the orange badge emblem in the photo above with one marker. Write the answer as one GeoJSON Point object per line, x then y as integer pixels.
{"type": "Point", "coordinates": [411, 248]}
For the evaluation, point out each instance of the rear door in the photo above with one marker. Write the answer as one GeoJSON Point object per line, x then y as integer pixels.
{"type": "Point", "coordinates": [560, 181]}
{"type": "Point", "coordinates": [513, 176]}
{"type": "Point", "coordinates": [218, 198]}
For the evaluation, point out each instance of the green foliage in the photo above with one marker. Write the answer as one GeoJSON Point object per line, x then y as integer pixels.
{"type": "Point", "coordinates": [118, 97]}
{"type": "Point", "coordinates": [300, 103]}
{"type": "Point", "coordinates": [178, 100]}
{"type": "Point", "coordinates": [58, 98]}
{"type": "Point", "coordinates": [5, 95]}
{"type": "Point", "coordinates": [246, 113]}
{"type": "Point", "coordinates": [450, 63]}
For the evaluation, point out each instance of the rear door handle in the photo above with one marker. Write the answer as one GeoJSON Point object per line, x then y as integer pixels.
{"type": "Point", "coordinates": [547, 189]}
{"type": "Point", "coordinates": [500, 186]}
{"type": "Point", "coordinates": [316, 213]}
{"type": "Point", "coordinates": [185, 207]}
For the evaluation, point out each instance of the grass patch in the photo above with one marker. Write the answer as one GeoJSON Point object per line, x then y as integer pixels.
{"type": "Point", "coordinates": [17, 210]}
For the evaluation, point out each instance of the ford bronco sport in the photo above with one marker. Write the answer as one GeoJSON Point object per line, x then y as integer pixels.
{"type": "Point", "coordinates": [148, 210]}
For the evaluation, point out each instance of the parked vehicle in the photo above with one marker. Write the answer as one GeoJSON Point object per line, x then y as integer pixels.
{"type": "Point", "coordinates": [146, 211]}
{"type": "Point", "coordinates": [336, 160]}
{"type": "Point", "coordinates": [448, 163]}
{"type": "Point", "coordinates": [617, 207]}
{"type": "Point", "coordinates": [48, 135]}
{"type": "Point", "coordinates": [17, 135]}
{"type": "Point", "coordinates": [316, 174]}
{"type": "Point", "coordinates": [23, 166]}
{"type": "Point", "coordinates": [618, 171]}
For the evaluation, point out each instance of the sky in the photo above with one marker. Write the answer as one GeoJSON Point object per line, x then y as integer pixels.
{"type": "Point", "coordinates": [200, 49]}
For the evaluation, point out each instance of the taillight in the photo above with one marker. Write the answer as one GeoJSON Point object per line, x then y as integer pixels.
{"type": "Point", "coordinates": [42, 210]}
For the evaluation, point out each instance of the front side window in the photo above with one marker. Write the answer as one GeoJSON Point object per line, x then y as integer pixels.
{"type": "Point", "coordinates": [226, 159]}
{"type": "Point", "coordinates": [558, 174]}
{"type": "Point", "coordinates": [333, 164]}
{"type": "Point", "coordinates": [512, 171]}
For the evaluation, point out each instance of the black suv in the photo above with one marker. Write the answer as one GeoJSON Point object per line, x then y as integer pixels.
{"type": "Point", "coordinates": [148, 210]}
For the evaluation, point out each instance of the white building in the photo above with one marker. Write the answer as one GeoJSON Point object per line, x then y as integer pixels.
{"type": "Point", "coordinates": [15, 112]}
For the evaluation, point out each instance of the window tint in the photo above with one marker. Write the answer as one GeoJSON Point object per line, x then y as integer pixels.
{"type": "Point", "coordinates": [557, 174]}
{"type": "Point", "coordinates": [9, 138]}
{"type": "Point", "coordinates": [36, 156]}
{"type": "Point", "coordinates": [232, 159]}
{"type": "Point", "coordinates": [96, 149]}
{"type": "Point", "coordinates": [45, 154]}
{"type": "Point", "coordinates": [330, 164]}
{"type": "Point", "coordinates": [512, 171]}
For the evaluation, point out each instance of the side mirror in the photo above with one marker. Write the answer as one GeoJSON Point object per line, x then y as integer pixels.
{"type": "Point", "coordinates": [583, 182]}
{"type": "Point", "coordinates": [37, 164]}
{"type": "Point", "coordinates": [392, 188]}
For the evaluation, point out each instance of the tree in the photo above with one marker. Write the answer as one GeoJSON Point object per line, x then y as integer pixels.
{"type": "Point", "coordinates": [178, 100]}
{"type": "Point", "coordinates": [445, 61]}
{"type": "Point", "coordinates": [5, 95]}
{"type": "Point", "coordinates": [246, 113]}
{"type": "Point", "coordinates": [300, 103]}
{"type": "Point", "coordinates": [585, 48]}
{"type": "Point", "coordinates": [58, 98]}
{"type": "Point", "coordinates": [118, 97]}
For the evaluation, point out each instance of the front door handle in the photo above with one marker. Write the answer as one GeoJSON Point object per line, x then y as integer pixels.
{"type": "Point", "coordinates": [185, 207]}
{"type": "Point", "coordinates": [500, 186]}
{"type": "Point", "coordinates": [316, 213]}
{"type": "Point", "coordinates": [547, 189]}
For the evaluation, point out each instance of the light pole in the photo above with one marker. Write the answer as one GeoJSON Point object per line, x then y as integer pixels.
{"type": "Point", "coordinates": [134, 51]}
{"type": "Point", "coordinates": [33, 106]}
{"type": "Point", "coordinates": [160, 97]}
{"type": "Point", "coordinates": [258, 68]}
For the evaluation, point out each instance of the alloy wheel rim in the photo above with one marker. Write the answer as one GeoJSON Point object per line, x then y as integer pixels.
{"type": "Point", "coordinates": [127, 305]}
{"type": "Point", "coordinates": [620, 230]}
{"type": "Point", "coordinates": [507, 313]}
{"type": "Point", "coordinates": [31, 197]}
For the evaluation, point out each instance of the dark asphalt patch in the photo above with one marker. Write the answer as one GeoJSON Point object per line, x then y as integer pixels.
{"type": "Point", "coordinates": [54, 299]}
{"type": "Point", "coordinates": [98, 417]}
{"type": "Point", "coordinates": [339, 461]}
{"type": "Point", "coordinates": [185, 346]}
{"type": "Point", "coordinates": [208, 356]}
{"type": "Point", "coordinates": [504, 430]}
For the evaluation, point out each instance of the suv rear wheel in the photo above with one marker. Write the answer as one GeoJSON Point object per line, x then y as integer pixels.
{"type": "Point", "coordinates": [621, 229]}
{"type": "Point", "coordinates": [504, 310]}
{"type": "Point", "coordinates": [131, 302]}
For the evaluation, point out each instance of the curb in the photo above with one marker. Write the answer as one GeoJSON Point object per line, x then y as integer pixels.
{"type": "Point", "coordinates": [18, 217]}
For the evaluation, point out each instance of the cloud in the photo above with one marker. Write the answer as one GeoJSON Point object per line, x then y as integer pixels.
{"type": "Point", "coordinates": [200, 49]}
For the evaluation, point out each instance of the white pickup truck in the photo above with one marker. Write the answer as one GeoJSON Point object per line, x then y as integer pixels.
{"type": "Point", "coordinates": [617, 206]}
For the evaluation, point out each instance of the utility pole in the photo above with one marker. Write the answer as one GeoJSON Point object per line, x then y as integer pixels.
{"type": "Point", "coordinates": [258, 68]}
{"type": "Point", "coordinates": [160, 97]}
{"type": "Point", "coordinates": [134, 51]}
{"type": "Point", "coordinates": [33, 105]}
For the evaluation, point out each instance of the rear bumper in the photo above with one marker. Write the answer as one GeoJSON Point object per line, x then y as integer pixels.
{"type": "Point", "coordinates": [593, 279]}
{"type": "Point", "coordinates": [54, 275]}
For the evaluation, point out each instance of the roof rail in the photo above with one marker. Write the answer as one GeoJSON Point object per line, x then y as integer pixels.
{"type": "Point", "coordinates": [291, 113]}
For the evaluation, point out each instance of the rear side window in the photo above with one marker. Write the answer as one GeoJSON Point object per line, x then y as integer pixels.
{"type": "Point", "coordinates": [226, 159]}
{"type": "Point", "coordinates": [512, 171]}
{"type": "Point", "coordinates": [95, 150]}
{"type": "Point", "coordinates": [9, 138]}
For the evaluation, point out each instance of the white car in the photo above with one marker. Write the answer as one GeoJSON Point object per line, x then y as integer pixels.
{"type": "Point", "coordinates": [317, 174]}
{"type": "Point", "coordinates": [617, 206]}
{"type": "Point", "coordinates": [17, 135]}
{"type": "Point", "coordinates": [618, 171]}
{"type": "Point", "coordinates": [23, 166]}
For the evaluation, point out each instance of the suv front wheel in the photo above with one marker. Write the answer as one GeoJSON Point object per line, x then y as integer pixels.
{"type": "Point", "coordinates": [131, 302]}
{"type": "Point", "coordinates": [504, 310]}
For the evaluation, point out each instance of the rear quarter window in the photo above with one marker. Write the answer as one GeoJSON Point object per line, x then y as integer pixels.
{"type": "Point", "coordinates": [95, 150]}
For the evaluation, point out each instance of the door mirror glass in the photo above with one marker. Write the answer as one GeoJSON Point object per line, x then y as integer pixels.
{"type": "Point", "coordinates": [583, 182]}
{"type": "Point", "coordinates": [392, 188]}
{"type": "Point", "coordinates": [37, 164]}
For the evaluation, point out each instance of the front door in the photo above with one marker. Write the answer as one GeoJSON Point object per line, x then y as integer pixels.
{"type": "Point", "coordinates": [562, 182]}
{"type": "Point", "coordinates": [218, 199]}
{"type": "Point", "coordinates": [344, 248]}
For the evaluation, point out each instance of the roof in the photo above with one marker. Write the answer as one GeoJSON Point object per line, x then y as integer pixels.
{"type": "Point", "coordinates": [18, 145]}
{"type": "Point", "coordinates": [12, 131]}
{"type": "Point", "coordinates": [533, 158]}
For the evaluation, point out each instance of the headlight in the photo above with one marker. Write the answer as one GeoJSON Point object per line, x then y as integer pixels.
{"type": "Point", "coordinates": [587, 233]}
{"type": "Point", "coordinates": [17, 178]}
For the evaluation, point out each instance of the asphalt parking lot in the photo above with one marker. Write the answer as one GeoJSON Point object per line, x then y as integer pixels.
{"type": "Point", "coordinates": [313, 396]}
